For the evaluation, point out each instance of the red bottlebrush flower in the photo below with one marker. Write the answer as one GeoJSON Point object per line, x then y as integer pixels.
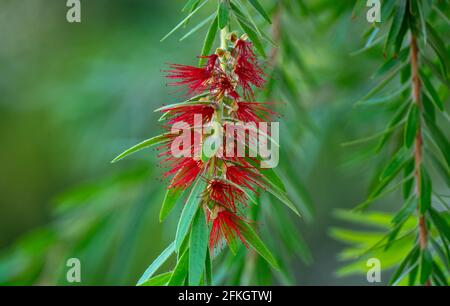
{"type": "Point", "coordinates": [184, 171]}
{"type": "Point", "coordinates": [195, 79]}
{"type": "Point", "coordinates": [225, 225]}
{"type": "Point", "coordinates": [186, 113]}
{"type": "Point", "coordinates": [253, 112]}
{"type": "Point", "coordinates": [225, 194]}
{"type": "Point", "coordinates": [222, 85]}
{"type": "Point", "coordinates": [247, 68]}
{"type": "Point", "coordinates": [244, 177]}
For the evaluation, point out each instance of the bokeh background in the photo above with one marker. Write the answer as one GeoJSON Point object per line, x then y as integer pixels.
{"type": "Point", "coordinates": [72, 96]}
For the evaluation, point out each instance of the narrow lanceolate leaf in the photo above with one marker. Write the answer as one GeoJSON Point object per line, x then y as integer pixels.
{"type": "Point", "coordinates": [181, 270]}
{"type": "Point", "coordinates": [188, 213]}
{"type": "Point", "coordinates": [253, 239]}
{"type": "Point", "coordinates": [208, 268]}
{"type": "Point", "coordinates": [396, 163]}
{"type": "Point", "coordinates": [198, 245]}
{"type": "Point", "coordinates": [273, 178]}
{"type": "Point", "coordinates": [248, 30]}
{"type": "Point", "coordinates": [433, 93]}
{"type": "Point", "coordinates": [440, 139]}
{"type": "Point", "coordinates": [439, 47]}
{"type": "Point", "coordinates": [185, 19]}
{"type": "Point", "coordinates": [145, 144]}
{"type": "Point", "coordinates": [406, 211]}
{"type": "Point", "coordinates": [190, 5]}
{"type": "Point", "coordinates": [391, 64]}
{"type": "Point", "coordinates": [280, 195]}
{"type": "Point", "coordinates": [408, 261]}
{"type": "Point", "coordinates": [170, 199]}
{"type": "Point", "coordinates": [412, 124]}
{"type": "Point", "coordinates": [425, 190]}
{"type": "Point", "coordinates": [158, 280]}
{"type": "Point", "coordinates": [198, 27]}
{"type": "Point", "coordinates": [223, 13]}
{"type": "Point", "coordinates": [396, 23]}
{"type": "Point", "coordinates": [162, 258]}
{"type": "Point", "coordinates": [441, 224]}
{"type": "Point", "coordinates": [260, 10]}
{"type": "Point", "coordinates": [426, 266]}
{"type": "Point", "coordinates": [209, 40]}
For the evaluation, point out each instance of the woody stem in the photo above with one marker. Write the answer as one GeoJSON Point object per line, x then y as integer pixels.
{"type": "Point", "coordinates": [416, 87]}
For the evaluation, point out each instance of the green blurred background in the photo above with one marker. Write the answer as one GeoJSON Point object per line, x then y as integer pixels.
{"type": "Point", "coordinates": [72, 96]}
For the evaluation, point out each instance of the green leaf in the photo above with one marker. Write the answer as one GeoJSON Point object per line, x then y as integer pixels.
{"type": "Point", "coordinates": [391, 63]}
{"type": "Point", "coordinates": [252, 238]}
{"type": "Point", "coordinates": [190, 5]}
{"type": "Point", "coordinates": [159, 261]}
{"type": "Point", "coordinates": [442, 169]}
{"type": "Point", "coordinates": [184, 20]}
{"type": "Point", "coordinates": [209, 40]}
{"type": "Point", "coordinates": [394, 121]}
{"type": "Point", "coordinates": [407, 261]}
{"type": "Point", "coordinates": [273, 178]}
{"type": "Point", "coordinates": [280, 195]}
{"type": "Point", "coordinates": [166, 108]}
{"type": "Point", "coordinates": [208, 268]}
{"type": "Point", "coordinates": [180, 271]}
{"type": "Point", "coordinates": [440, 223]}
{"type": "Point", "coordinates": [439, 47]}
{"type": "Point", "coordinates": [426, 266]}
{"type": "Point", "coordinates": [145, 144]}
{"type": "Point", "coordinates": [425, 190]}
{"type": "Point", "coordinates": [198, 27]}
{"type": "Point", "coordinates": [433, 93]}
{"type": "Point", "coordinates": [260, 10]}
{"type": "Point", "coordinates": [440, 140]}
{"type": "Point", "coordinates": [158, 280]}
{"type": "Point", "coordinates": [408, 208]}
{"type": "Point", "coordinates": [440, 276]}
{"type": "Point", "coordinates": [408, 184]}
{"type": "Point", "coordinates": [223, 13]}
{"type": "Point", "coordinates": [428, 108]}
{"type": "Point", "coordinates": [198, 245]}
{"type": "Point", "coordinates": [249, 31]}
{"type": "Point", "coordinates": [412, 125]}
{"type": "Point", "coordinates": [269, 174]}
{"type": "Point", "coordinates": [383, 82]}
{"type": "Point", "coordinates": [397, 162]}
{"type": "Point", "coordinates": [189, 210]}
{"type": "Point", "coordinates": [170, 199]}
{"type": "Point", "coordinates": [396, 24]}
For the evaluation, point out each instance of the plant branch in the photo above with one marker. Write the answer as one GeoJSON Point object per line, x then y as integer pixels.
{"type": "Point", "coordinates": [416, 88]}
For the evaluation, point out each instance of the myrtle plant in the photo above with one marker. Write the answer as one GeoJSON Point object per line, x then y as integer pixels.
{"type": "Point", "coordinates": [415, 150]}
{"type": "Point", "coordinates": [215, 162]}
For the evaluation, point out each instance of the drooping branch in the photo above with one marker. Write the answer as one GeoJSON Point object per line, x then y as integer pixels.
{"type": "Point", "coordinates": [416, 97]}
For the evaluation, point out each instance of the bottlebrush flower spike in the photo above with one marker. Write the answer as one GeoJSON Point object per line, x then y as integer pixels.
{"type": "Point", "coordinates": [184, 171]}
{"type": "Point", "coordinates": [186, 113]}
{"type": "Point", "coordinates": [223, 86]}
{"type": "Point", "coordinates": [226, 194]}
{"type": "Point", "coordinates": [247, 68]}
{"type": "Point", "coordinates": [225, 225]}
{"type": "Point", "coordinates": [253, 112]}
{"type": "Point", "coordinates": [244, 176]}
{"type": "Point", "coordinates": [195, 79]}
